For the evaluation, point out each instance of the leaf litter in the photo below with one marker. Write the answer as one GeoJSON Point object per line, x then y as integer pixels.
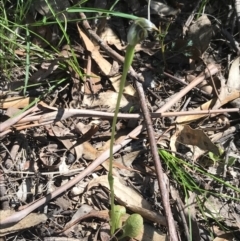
{"type": "Point", "coordinates": [77, 81]}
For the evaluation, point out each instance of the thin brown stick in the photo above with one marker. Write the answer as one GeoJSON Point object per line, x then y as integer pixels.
{"type": "Point", "coordinates": [45, 119]}
{"type": "Point", "coordinates": [158, 166]}
{"type": "Point", "coordinates": [11, 121]}
{"type": "Point", "coordinates": [53, 116]}
{"type": "Point", "coordinates": [185, 83]}
{"type": "Point", "coordinates": [210, 70]}
{"type": "Point", "coordinates": [49, 118]}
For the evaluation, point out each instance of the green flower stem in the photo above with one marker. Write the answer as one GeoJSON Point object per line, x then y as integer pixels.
{"type": "Point", "coordinates": [127, 63]}
{"type": "Point", "coordinates": [137, 32]}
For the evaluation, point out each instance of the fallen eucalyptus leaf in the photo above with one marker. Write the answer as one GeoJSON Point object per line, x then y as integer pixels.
{"type": "Point", "coordinates": [31, 220]}
{"type": "Point", "coordinates": [200, 33]}
{"type": "Point", "coordinates": [233, 77]}
{"type": "Point", "coordinates": [188, 136]}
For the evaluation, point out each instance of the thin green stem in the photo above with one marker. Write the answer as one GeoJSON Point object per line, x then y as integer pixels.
{"type": "Point", "coordinates": [149, 6]}
{"type": "Point", "coordinates": [74, 64]}
{"type": "Point", "coordinates": [27, 60]}
{"type": "Point", "coordinates": [127, 63]}
{"type": "Point", "coordinates": [137, 32]}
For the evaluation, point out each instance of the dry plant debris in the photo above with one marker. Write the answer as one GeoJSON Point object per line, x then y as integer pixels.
{"type": "Point", "coordinates": [59, 81]}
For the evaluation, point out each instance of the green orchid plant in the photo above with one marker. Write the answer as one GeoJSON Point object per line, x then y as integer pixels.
{"type": "Point", "coordinates": [137, 33]}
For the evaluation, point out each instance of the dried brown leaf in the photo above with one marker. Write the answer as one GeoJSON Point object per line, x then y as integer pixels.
{"type": "Point", "coordinates": [31, 220]}
{"type": "Point", "coordinates": [106, 100]}
{"type": "Point", "coordinates": [125, 195]}
{"type": "Point", "coordinates": [150, 233]}
{"type": "Point", "coordinates": [201, 33]}
{"type": "Point", "coordinates": [188, 136]}
{"type": "Point", "coordinates": [123, 163]}
{"type": "Point", "coordinates": [109, 36]}
{"type": "Point", "coordinates": [233, 80]}
{"type": "Point", "coordinates": [233, 77]}
{"type": "Point", "coordinates": [17, 102]}
{"type": "Point", "coordinates": [89, 152]}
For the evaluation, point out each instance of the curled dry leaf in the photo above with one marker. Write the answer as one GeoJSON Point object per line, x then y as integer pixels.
{"type": "Point", "coordinates": [90, 129]}
{"type": "Point", "coordinates": [229, 237]}
{"type": "Point", "coordinates": [63, 167]}
{"type": "Point", "coordinates": [63, 202]}
{"type": "Point", "coordinates": [12, 111]}
{"type": "Point", "coordinates": [79, 189]}
{"type": "Point", "coordinates": [204, 85]}
{"type": "Point", "coordinates": [91, 132]}
{"type": "Point", "coordinates": [102, 63]}
{"type": "Point", "coordinates": [89, 152]}
{"type": "Point", "coordinates": [82, 128]}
